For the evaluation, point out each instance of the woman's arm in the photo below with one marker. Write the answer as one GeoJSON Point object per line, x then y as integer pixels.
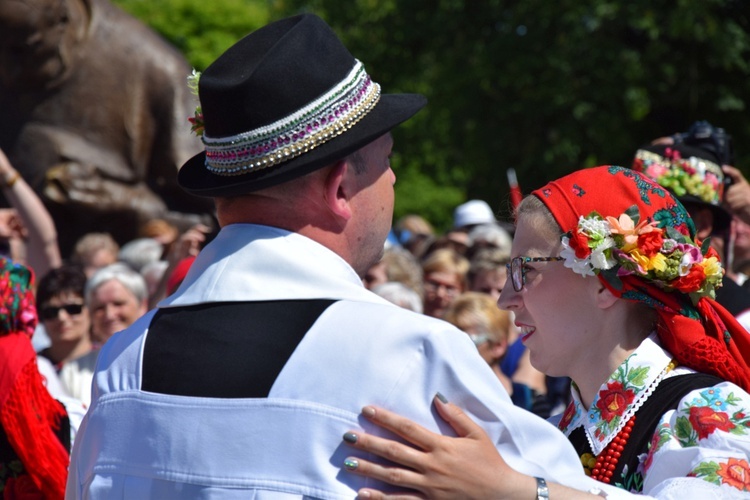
{"type": "Point", "coordinates": [437, 466]}
{"type": "Point", "coordinates": [42, 250]}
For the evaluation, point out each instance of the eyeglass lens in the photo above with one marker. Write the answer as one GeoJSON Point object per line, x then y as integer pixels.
{"type": "Point", "coordinates": [52, 312]}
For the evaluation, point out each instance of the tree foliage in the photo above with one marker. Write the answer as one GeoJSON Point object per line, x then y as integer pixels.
{"type": "Point", "coordinates": [201, 30]}
{"type": "Point", "coordinates": [544, 87]}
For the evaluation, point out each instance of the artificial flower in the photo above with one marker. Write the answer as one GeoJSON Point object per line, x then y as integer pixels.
{"type": "Point", "coordinates": [196, 121]}
{"type": "Point", "coordinates": [579, 242]}
{"type": "Point", "coordinates": [630, 246]}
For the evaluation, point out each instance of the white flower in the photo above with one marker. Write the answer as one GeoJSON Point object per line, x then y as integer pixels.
{"type": "Point", "coordinates": [596, 229]}
{"type": "Point", "coordinates": [579, 266]}
{"type": "Point", "coordinates": [599, 258]}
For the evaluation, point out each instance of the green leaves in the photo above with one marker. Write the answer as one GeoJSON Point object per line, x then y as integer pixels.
{"type": "Point", "coordinates": [544, 87]}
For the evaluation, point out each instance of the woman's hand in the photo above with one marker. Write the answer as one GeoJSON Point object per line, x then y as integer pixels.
{"type": "Point", "coordinates": [467, 466]}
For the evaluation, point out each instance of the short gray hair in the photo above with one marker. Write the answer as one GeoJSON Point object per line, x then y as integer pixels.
{"type": "Point", "coordinates": [121, 272]}
{"type": "Point", "coordinates": [400, 294]}
{"type": "Point", "coordinates": [140, 252]}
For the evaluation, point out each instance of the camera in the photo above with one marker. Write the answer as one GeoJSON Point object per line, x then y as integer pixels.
{"type": "Point", "coordinates": [703, 135]}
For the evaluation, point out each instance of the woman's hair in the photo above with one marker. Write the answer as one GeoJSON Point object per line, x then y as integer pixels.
{"type": "Point", "coordinates": [139, 252]}
{"type": "Point", "coordinates": [446, 260]}
{"type": "Point", "coordinates": [121, 272]}
{"type": "Point", "coordinates": [474, 309]}
{"type": "Point", "coordinates": [543, 221]}
{"type": "Point", "coordinates": [402, 266]}
{"type": "Point", "coordinates": [490, 236]}
{"type": "Point", "coordinates": [65, 279]}
{"type": "Point", "coordinates": [90, 243]}
{"type": "Point", "coordinates": [414, 224]}
{"type": "Point", "coordinates": [400, 294]}
{"type": "Point", "coordinates": [487, 259]}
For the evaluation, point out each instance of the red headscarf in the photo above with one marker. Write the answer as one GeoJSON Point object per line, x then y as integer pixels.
{"type": "Point", "coordinates": [698, 332]}
{"type": "Point", "coordinates": [28, 414]}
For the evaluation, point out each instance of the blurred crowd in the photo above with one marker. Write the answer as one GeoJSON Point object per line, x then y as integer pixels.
{"type": "Point", "coordinates": [102, 287]}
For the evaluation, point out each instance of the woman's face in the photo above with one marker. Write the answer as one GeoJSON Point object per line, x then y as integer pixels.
{"type": "Point", "coordinates": [555, 312]}
{"type": "Point", "coordinates": [65, 326]}
{"type": "Point", "coordinates": [440, 290]}
{"type": "Point", "coordinates": [113, 308]}
{"type": "Point", "coordinates": [490, 281]}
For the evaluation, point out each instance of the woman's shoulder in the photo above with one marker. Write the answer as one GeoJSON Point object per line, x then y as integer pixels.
{"type": "Point", "coordinates": [712, 419]}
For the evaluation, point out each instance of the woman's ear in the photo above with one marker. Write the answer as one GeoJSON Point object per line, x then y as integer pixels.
{"type": "Point", "coordinates": [604, 297]}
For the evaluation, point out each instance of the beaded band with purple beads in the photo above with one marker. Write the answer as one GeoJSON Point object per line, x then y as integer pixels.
{"type": "Point", "coordinates": [320, 121]}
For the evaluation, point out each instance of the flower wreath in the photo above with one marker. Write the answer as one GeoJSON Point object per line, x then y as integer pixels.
{"type": "Point", "coordinates": [683, 176]}
{"type": "Point", "coordinates": [628, 246]}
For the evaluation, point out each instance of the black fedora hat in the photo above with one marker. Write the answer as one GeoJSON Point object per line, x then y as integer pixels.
{"type": "Point", "coordinates": [282, 102]}
{"type": "Point", "coordinates": [692, 174]}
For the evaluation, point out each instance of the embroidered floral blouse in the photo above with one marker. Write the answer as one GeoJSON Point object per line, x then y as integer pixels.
{"type": "Point", "coordinates": [700, 448]}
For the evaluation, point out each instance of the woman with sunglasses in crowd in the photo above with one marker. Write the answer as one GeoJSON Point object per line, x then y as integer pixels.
{"type": "Point", "coordinates": [610, 288]}
{"type": "Point", "coordinates": [66, 319]}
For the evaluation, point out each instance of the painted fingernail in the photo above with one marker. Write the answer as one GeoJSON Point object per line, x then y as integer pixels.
{"type": "Point", "coordinates": [368, 411]}
{"type": "Point", "coordinates": [351, 464]}
{"type": "Point", "coordinates": [350, 437]}
{"type": "Point", "coordinates": [442, 398]}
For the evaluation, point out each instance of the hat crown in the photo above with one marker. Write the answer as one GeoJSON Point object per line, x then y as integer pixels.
{"type": "Point", "coordinates": [270, 74]}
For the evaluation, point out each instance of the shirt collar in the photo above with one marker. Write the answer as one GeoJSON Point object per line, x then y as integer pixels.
{"type": "Point", "coordinates": [619, 397]}
{"type": "Point", "coordinates": [254, 262]}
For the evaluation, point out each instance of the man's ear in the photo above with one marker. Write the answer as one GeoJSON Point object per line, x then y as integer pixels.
{"type": "Point", "coordinates": [339, 189]}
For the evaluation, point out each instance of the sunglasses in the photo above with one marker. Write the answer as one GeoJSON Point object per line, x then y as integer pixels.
{"type": "Point", "coordinates": [52, 312]}
{"type": "Point", "coordinates": [516, 269]}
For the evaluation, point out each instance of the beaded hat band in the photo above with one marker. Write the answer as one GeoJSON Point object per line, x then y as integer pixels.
{"type": "Point", "coordinates": [320, 121]}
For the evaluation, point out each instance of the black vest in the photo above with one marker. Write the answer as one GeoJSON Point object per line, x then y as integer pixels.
{"type": "Point", "coordinates": [224, 349]}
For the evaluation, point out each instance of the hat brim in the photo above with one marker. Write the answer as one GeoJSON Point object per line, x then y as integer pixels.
{"type": "Point", "coordinates": [390, 111]}
{"type": "Point", "coordinates": [722, 218]}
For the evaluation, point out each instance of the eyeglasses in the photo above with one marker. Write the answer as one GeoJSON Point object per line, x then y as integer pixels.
{"type": "Point", "coordinates": [52, 312]}
{"type": "Point", "coordinates": [516, 269]}
{"type": "Point", "coordinates": [433, 287]}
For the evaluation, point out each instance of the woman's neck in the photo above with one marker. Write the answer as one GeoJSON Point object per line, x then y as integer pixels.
{"type": "Point", "coordinates": [595, 376]}
{"type": "Point", "coordinates": [63, 352]}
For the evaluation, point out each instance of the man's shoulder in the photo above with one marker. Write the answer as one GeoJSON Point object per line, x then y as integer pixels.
{"type": "Point", "coordinates": [388, 315]}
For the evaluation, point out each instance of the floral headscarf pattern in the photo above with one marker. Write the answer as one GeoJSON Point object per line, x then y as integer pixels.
{"type": "Point", "coordinates": [17, 310]}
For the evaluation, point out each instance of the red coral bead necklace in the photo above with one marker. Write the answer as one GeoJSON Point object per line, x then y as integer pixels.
{"type": "Point", "coordinates": [607, 460]}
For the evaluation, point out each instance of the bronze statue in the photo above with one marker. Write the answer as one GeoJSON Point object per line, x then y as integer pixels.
{"type": "Point", "coordinates": [93, 113]}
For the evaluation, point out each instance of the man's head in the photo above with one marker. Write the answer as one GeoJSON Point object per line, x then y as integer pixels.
{"type": "Point", "coordinates": [297, 136]}
{"type": "Point", "coordinates": [284, 101]}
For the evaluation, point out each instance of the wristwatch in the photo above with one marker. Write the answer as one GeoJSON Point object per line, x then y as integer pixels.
{"type": "Point", "coordinates": [542, 492]}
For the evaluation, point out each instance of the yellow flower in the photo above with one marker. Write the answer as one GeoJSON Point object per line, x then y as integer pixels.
{"type": "Point", "coordinates": [640, 259]}
{"type": "Point", "coordinates": [711, 267]}
{"type": "Point", "coordinates": [657, 262]}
